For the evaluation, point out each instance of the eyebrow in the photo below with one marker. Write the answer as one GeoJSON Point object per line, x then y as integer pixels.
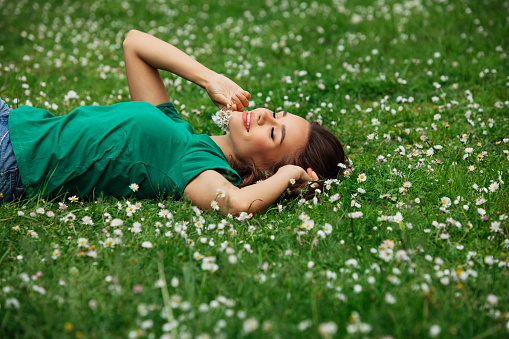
{"type": "Point", "coordinates": [283, 130]}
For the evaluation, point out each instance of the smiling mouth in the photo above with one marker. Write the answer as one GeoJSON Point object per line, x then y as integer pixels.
{"type": "Point", "coordinates": [247, 120]}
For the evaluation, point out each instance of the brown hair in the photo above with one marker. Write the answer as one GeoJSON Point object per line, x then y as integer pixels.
{"type": "Point", "coordinates": [323, 153]}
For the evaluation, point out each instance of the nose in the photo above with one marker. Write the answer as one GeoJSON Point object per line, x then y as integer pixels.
{"type": "Point", "coordinates": [265, 117]}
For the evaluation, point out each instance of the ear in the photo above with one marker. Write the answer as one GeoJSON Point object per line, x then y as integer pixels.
{"type": "Point", "coordinates": [312, 174]}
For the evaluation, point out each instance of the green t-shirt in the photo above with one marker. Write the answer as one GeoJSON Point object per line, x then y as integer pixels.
{"type": "Point", "coordinates": [104, 149]}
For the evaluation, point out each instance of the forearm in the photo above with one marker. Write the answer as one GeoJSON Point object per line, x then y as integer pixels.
{"type": "Point", "coordinates": [161, 55]}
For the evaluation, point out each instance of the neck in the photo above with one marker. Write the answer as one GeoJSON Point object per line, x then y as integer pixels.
{"type": "Point", "coordinates": [225, 144]}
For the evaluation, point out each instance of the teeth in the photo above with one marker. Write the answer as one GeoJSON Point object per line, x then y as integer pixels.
{"type": "Point", "coordinates": [248, 121]}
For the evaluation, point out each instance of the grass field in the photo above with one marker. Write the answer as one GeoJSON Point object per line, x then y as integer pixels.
{"type": "Point", "coordinates": [411, 244]}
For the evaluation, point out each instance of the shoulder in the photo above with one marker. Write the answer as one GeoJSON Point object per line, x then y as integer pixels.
{"type": "Point", "coordinates": [204, 187]}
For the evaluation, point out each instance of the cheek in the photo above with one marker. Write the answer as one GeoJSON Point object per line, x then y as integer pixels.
{"type": "Point", "coordinates": [260, 144]}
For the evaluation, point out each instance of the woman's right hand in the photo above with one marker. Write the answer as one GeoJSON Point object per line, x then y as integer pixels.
{"type": "Point", "coordinates": [224, 92]}
{"type": "Point", "coordinates": [300, 175]}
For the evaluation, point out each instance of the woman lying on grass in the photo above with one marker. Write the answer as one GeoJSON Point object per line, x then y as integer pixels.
{"type": "Point", "coordinates": [103, 150]}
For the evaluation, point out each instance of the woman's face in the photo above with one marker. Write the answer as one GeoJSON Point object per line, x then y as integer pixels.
{"type": "Point", "coordinates": [266, 136]}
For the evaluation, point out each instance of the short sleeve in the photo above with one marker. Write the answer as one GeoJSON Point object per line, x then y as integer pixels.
{"type": "Point", "coordinates": [171, 112]}
{"type": "Point", "coordinates": [169, 109]}
{"type": "Point", "coordinates": [192, 164]}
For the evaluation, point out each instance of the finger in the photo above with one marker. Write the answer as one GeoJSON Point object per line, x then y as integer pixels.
{"type": "Point", "coordinates": [307, 178]}
{"type": "Point", "coordinates": [221, 101]}
{"type": "Point", "coordinates": [312, 174]}
{"type": "Point", "coordinates": [247, 95]}
{"type": "Point", "coordinates": [243, 99]}
{"type": "Point", "coordinates": [238, 103]}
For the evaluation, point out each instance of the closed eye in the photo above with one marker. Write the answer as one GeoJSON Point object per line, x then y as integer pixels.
{"type": "Point", "coordinates": [272, 133]}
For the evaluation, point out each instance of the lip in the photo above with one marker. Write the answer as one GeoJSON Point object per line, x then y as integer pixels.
{"type": "Point", "coordinates": [245, 116]}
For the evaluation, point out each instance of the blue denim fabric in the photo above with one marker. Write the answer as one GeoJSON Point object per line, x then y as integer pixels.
{"type": "Point", "coordinates": [11, 186]}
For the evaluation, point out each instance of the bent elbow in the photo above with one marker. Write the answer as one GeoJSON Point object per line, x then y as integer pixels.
{"type": "Point", "coordinates": [237, 205]}
{"type": "Point", "coordinates": [129, 37]}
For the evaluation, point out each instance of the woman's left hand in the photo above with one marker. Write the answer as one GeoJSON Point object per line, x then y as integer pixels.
{"type": "Point", "coordinates": [224, 92]}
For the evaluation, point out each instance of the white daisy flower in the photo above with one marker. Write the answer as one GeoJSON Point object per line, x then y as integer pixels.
{"type": "Point", "coordinates": [220, 193]}
{"type": "Point", "coordinates": [214, 205]}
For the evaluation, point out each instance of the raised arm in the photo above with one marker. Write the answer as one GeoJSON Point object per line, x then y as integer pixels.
{"type": "Point", "coordinates": [145, 54]}
{"type": "Point", "coordinates": [253, 198]}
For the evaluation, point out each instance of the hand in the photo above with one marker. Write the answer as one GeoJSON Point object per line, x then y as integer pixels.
{"type": "Point", "coordinates": [300, 175]}
{"type": "Point", "coordinates": [302, 179]}
{"type": "Point", "coordinates": [224, 92]}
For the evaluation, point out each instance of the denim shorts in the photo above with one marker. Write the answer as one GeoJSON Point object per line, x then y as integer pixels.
{"type": "Point", "coordinates": [11, 186]}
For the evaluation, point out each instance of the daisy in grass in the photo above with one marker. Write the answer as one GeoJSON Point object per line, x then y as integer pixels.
{"type": "Point", "coordinates": [134, 187]}
{"type": "Point", "coordinates": [69, 217]}
{"type": "Point", "coordinates": [389, 299]}
{"type": "Point", "coordinates": [130, 210]}
{"type": "Point", "coordinates": [356, 326]}
{"type": "Point", "coordinates": [250, 325]}
{"type": "Point", "coordinates": [109, 242]}
{"type": "Point", "coordinates": [397, 218]}
{"type": "Point", "coordinates": [220, 193]}
{"type": "Point", "coordinates": [434, 331]}
{"type": "Point", "coordinates": [73, 199]}
{"type": "Point", "coordinates": [214, 205]}
{"type": "Point", "coordinates": [495, 227]}
{"type": "Point", "coordinates": [446, 202]}
{"type": "Point", "coordinates": [136, 228]}
{"type": "Point", "coordinates": [200, 223]}
{"type": "Point", "coordinates": [116, 222]}
{"type": "Point", "coordinates": [493, 186]}
{"type": "Point", "coordinates": [387, 244]}
{"type": "Point", "coordinates": [480, 201]}
{"type": "Point", "coordinates": [362, 177]}
{"type": "Point", "coordinates": [327, 228]}
{"type": "Point", "coordinates": [328, 184]}
{"type": "Point", "coordinates": [146, 244]}
{"type": "Point", "coordinates": [175, 301]}
{"type": "Point", "coordinates": [327, 330]}
{"type": "Point", "coordinates": [385, 255]}
{"type": "Point", "coordinates": [82, 242]}
{"type": "Point", "coordinates": [355, 215]}
{"type": "Point", "coordinates": [86, 220]}
{"type": "Point", "coordinates": [55, 254]}
{"type": "Point", "coordinates": [12, 303]}
{"type": "Point", "coordinates": [308, 224]}
{"type": "Point", "coordinates": [209, 264]}
{"type": "Point", "coordinates": [304, 217]}
{"type": "Point", "coordinates": [164, 213]}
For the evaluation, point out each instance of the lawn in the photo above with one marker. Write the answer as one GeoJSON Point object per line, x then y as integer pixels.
{"type": "Point", "coordinates": [410, 243]}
